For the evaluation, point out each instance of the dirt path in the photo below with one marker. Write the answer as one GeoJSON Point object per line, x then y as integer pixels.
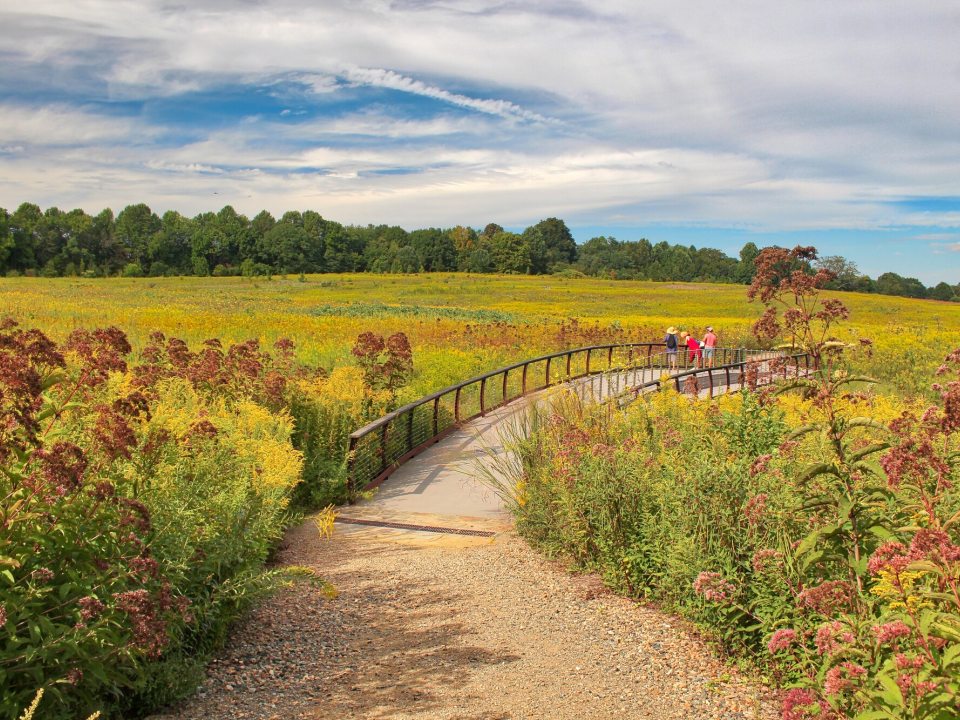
{"type": "Point", "coordinates": [439, 626]}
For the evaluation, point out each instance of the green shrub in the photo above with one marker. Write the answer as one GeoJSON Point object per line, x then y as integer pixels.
{"type": "Point", "coordinates": [139, 506]}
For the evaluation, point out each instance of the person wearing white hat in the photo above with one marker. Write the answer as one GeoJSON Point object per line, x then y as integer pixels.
{"type": "Point", "coordinates": [709, 347]}
{"type": "Point", "coordinates": [670, 341]}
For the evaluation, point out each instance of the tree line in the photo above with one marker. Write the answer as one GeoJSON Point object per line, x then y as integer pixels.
{"type": "Point", "coordinates": [137, 242]}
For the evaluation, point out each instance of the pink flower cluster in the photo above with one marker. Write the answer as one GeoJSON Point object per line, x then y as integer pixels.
{"type": "Point", "coordinates": [762, 559]}
{"type": "Point", "coordinates": [782, 639]}
{"type": "Point", "coordinates": [828, 598]}
{"type": "Point", "coordinates": [891, 632]}
{"type": "Point", "coordinates": [756, 506]}
{"type": "Point", "coordinates": [842, 677]}
{"type": "Point", "coordinates": [832, 636]}
{"type": "Point", "coordinates": [803, 704]}
{"type": "Point", "coordinates": [908, 681]}
{"type": "Point", "coordinates": [713, 587]}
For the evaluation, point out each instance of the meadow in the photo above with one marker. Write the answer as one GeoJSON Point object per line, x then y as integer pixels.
{"type": "Point", "coordinates": [458, 325]}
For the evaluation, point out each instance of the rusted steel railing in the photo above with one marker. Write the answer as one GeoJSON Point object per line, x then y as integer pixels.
{"type": "Point", "coordinates": [380, 447]}
{"type": "Point", "coordinates": [752, 370]}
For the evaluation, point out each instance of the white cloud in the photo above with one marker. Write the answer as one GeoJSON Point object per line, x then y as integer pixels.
{"type": "Point", "coordinates": [394, 81]}
{"type": "Point", "coordinates": [62, 125]}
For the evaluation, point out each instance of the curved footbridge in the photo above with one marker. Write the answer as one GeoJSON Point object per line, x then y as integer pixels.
{"type": "Point", "coordinates": [425, 458]}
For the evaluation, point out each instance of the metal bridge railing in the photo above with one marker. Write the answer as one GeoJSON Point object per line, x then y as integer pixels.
{"type": "Point", "coordinates": [379, 448]}
{"type": "Point", "coordinates": [754, 369]}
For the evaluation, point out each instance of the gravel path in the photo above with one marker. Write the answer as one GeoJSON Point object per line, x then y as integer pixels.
{"type": "Point", "coordinates": [445, 627]}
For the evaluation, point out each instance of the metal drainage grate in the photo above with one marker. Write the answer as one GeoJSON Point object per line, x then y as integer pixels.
{"type": "Point", "coordinates": [420, 528]}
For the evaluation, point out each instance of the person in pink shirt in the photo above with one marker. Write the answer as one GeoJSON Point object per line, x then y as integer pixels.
{"type": "Point", "coordinates": [709, 347]}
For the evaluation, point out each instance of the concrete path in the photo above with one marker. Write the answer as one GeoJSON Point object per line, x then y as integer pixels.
{"type": "Point", "coordinates": [443, 487]}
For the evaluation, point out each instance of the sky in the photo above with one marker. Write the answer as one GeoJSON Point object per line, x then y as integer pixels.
{"type": "Point", "coordinates": [834, 124]}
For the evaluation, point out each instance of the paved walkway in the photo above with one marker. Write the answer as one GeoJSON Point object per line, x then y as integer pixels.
{"type": "Point", "coordinates": [443, 487]}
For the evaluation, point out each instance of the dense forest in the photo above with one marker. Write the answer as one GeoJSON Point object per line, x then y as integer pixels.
{"type": "Point", "coordinates": [138, 242]}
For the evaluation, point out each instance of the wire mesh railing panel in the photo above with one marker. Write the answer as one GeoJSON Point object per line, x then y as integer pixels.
{"type": "Point", "coordinates": [514, 384]}
{"type": "Point", "coordinates": [367, 460]}
{"type": "Point", "coordinates": [536, 375]}
{"type": "Point", "coordinates": [578, 363]}
{"type": "Point", "coordinates": [469, 401]}
{"type": "Point", "coordinates": [396, 438]}
{"type": "Point", "coordinates": [422, 424]}
{"type": "Point", "coordinates": [624, 357]}
{"type": "Point", "coordinates": [445, 413]}
{"type": "Point", "coordinates": [493, 393]}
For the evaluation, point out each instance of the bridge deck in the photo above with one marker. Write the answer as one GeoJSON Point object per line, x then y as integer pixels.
{"type": "Point", "coordinates": [442, 486]}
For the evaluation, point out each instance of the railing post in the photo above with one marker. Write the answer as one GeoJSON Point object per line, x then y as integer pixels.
{"type": "Point", "coordinates": [456, 405]}
{"type": "Point", "coordinates": [483, 391]}
{"type": "Point", "coordinates": [589, 350]}
{"type": "Point", "coordinates": [710, 376]}
{"type": "Point", "coordinates": [649, 356]}
{"type": "Point", "coordinates": [610, 357]}
{"type": "Point", "coordinates": [505, 374]}
{"type": "Point", "coordinates": [523, 385]}
{"type": "Point", "coordinates": [436, 416]}
{"type": "Point", "coordinates": [726, 369]}
{"type": "Point", "coordinates": [383, 446]}
{"type": "Point", "coordinates": [676, 381]}
{"type": "Point", "coordinates": [413, 411]}
{"type": "Point", "coordinates": [352, 469]}
{"type": "Point", "coordinates": [546, 382]}
{"type": "Point", "coordinates": [569, 356]}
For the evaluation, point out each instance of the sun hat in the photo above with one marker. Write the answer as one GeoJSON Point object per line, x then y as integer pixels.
{"type": "Point", "coordinates": [709, 328]}
{"type": "Point", "coordinates": [671, 330]}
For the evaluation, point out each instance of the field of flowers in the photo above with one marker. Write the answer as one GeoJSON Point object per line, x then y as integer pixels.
{"type": "Point", "coordinates": [458, 324]}
{"type": "Point", "coordinates": [158, 435]}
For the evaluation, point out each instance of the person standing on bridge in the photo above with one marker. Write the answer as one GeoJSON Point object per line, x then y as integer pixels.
{"type": "Point", "coordinates": [709, 347]}
{"type": "Point", "coordinates": [693, 345]}
{"type": "Point", "coordinates": [670, 341]}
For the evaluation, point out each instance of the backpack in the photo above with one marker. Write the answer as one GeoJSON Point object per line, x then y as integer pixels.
{"type": "Point", "coordinates": [671, 342]}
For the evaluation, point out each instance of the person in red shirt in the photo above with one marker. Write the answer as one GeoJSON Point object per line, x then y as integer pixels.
{"type": "Point", "coordinates": [693, 345]}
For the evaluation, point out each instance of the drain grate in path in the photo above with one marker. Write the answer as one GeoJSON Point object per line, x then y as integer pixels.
{"type": "Point", "coordinates": [410, 526]}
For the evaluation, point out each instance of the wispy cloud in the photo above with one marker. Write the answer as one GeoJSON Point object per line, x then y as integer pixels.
{"type": "Point", "coordinates": [378, 77]}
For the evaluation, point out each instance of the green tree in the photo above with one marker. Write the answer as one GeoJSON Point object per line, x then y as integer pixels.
{"type": "Point", "coordinates": [465, 241]}
{"type": "Point", "coordinates": [135, 225]}
{"type": "Point", "coordinates": [893, 284]}
{"type": "Point", "coordinates": [6, 240]}
{"type": "Point", "coordinates": [551, 244]}
{"type": "Point", "coordinates": [746, 269]}
{"type": "Point", "coordinates": [846, 274]}
{"type": "Point", "coordinates": [25, 225]}
{"type": "Point", "coordinates": [286, 246]}
{"type": "Point", "coordinates": [171, 246]}
{"type": "Point", "coordinates": [343, 252]}
{"type": "Point", "coordinates": [490, 230]}
{"type": "Point", "coordinates": [434, 249]}
{"type": "Point", "coordinates": [510, 253]}
{"type": "Point", "coordinates": [943, 291]}
{"type": "Point", "coordinates": [253, 246]}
